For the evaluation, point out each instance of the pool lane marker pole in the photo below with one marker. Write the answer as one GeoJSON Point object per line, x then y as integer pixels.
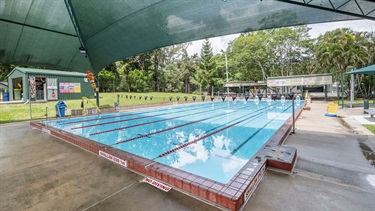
{"type": "Point", "coordinates": [205, 136]}
{"type": "Point", "coordinates": [124, 120]}
{"type": "Point", "coordinates": [167, 129]}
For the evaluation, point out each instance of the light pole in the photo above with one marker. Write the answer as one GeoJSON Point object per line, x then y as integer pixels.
{"type": "Point", "coordinates": [351, 85]}
{"type": "Point", "coordinates": [226, 69]}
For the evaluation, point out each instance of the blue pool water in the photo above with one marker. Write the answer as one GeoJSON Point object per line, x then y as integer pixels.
{"type": "Point", "coordinates": [212, 139]}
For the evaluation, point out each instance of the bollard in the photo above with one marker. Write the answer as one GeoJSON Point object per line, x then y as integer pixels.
{"type": "Point", "coordinates": [223, 98]}
{"type": "Point", "coordinates": [178, 98]}
{"type": "Point", "coordinates": [203, 97]}
{"type": "Point", "coordinates": [186, 98]}
{"type": "Point", "coordinates": [212, 98]}
{"type": "Point", "coordinates": [151, 97]}
{"type": "Point", "coordinates": [194, 97]}
{"type": "Point", "coordinates": [170, 98]}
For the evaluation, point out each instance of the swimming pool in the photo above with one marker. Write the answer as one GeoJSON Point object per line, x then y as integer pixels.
{"type": "Point", "coordinates": [217, 151]}
{"type": "Point", "coordinates": [213, 140]}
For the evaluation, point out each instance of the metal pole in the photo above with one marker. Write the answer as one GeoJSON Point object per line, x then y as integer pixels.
{"type": "Point", "coordinates": [325, 92]}
{"type": "Point", "coordinates": [352, 87]}
{"type": "Point", "coordinates": [31, 116]}
{"type": "Point", "coordinates": [97, 91]}
{"type": "Point", "coordinates": [293, 115]}
{"type": "Point", "coordinates": [342, 91]}
{"type": "Point", "coordinates": [226, 69]}
{"type": "Point", "coordinates": [337, 90]}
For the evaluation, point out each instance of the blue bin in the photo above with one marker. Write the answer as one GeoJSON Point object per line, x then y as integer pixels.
{"type": "Point", "coordinates": [5, 96]}
{"type": "Point", "coordinates": [60, 109]}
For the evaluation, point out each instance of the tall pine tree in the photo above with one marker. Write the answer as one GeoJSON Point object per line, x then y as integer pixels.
{"type": "Point", "coordinates": [207, 66]}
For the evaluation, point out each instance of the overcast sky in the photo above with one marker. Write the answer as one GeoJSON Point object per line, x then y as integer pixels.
{"type": "Point", "coordinates": [221, 43]}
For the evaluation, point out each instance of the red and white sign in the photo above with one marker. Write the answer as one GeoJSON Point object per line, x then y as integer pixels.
{"type": "Point", "coordinates": [250, 190]}
{"type": "Point", "coordinates": [157, 184]}
{"type": "Point", "coordinates": [113, 158]}
{"type": "Point", "coordinates": [94, 111]}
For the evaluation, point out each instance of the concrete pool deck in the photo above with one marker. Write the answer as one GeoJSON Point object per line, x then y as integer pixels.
{"type": "Point", "coordinates": [38, 171]}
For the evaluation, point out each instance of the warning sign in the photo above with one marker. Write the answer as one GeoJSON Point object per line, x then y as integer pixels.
{"type": "Point", "coordinates": [331, 109]}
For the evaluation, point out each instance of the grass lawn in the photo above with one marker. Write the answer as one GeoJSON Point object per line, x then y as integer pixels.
{"type": "Point", "coordinates": [371, 128]}
{"type": "Point", "coordinates": [21, 112]}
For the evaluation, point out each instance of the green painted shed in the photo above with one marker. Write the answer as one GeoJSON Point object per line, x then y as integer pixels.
{"type": "Point", "coordinates": [50, 84]}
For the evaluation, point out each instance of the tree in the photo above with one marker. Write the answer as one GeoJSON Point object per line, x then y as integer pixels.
{"type": "Point", "coordinates": [5, 69]}
{"type": "Point", "coordinates": [106, 80]}
{"type": "Point", "coordinates": [207, 66]}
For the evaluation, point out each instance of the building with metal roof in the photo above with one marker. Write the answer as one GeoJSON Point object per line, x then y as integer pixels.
{"type": "Point", "coordinates": [49, 84]}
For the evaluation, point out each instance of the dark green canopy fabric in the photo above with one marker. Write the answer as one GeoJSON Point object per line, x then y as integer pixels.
{"type": "Point", "coordinates": [369, 70]}
{"type": "Point", "coordinates": [49, 33]}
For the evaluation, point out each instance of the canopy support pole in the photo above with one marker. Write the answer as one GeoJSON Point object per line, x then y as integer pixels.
{"type": "Point", "coordinates": [77, 29]}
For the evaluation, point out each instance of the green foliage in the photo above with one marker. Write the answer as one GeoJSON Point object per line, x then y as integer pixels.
{"type": "Point", "coordinates": [370, 128]}
{"type": "Point", "coordinates": [276, 52]}
{"type": "Point", "coordinates": [206, 72]}
{"type": "Point", "coordinates": [5, 70]}
{"type": "Point", "coordinates": [106, 80]}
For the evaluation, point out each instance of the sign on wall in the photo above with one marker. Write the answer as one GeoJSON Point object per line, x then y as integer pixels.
{"type": "Point", "coordinates": [52, 89]}
{"type": "Point", "coordinates": [70, 87]}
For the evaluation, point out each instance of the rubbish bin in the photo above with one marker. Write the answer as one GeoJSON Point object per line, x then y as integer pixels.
{"type": "Point", "coordinates": [5, 96]}
{"type": "Point", "coordinates": [17, 94]}
{"type": "Point", "coordinates": [365, 104]}
{"type": "Point", "coordinates": [60, 108]}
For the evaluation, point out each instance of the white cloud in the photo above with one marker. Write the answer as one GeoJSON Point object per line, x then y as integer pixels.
{"type": "Point", "coordinates": [221, 43]}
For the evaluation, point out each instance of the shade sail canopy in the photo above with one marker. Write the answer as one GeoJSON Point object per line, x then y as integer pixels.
{"type": "Point", "coordinates": [369, 70]}
{"type": "Point", "coordinates": [49, 33]}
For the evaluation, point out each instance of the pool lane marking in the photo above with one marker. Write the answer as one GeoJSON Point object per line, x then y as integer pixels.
{"type": "Point", "coordinates": [146, 123]}
{"type": "Point", "coordinates": [208, 135]}
{"type": "Point", "coordinates": [255, 133]}
{"type": "Point", "coordinates": [128, 114]}
{"type": "Point", "coordinates": [171, 128]}
{"type": "Point", "coordinates": [124, 120]}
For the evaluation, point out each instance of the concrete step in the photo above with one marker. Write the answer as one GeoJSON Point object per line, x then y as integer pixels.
{"type": "Point", "coordinates": [346, 173]}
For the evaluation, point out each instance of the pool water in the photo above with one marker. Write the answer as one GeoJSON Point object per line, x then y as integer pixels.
{"type": "Point", "coordinates": [213, 139]}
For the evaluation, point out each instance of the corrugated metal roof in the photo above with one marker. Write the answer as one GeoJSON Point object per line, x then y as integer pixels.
{"type": "Point", "coordinates": [47, 72]}
{"type": "Point", "coordinates": [299, 76]}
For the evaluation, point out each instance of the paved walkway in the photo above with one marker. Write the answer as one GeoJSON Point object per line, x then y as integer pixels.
{"type": "Point", "coordinates": [40, 172]}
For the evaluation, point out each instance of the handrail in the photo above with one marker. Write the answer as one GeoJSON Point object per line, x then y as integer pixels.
{"type": "Point", "coordinates": [84, 112]}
